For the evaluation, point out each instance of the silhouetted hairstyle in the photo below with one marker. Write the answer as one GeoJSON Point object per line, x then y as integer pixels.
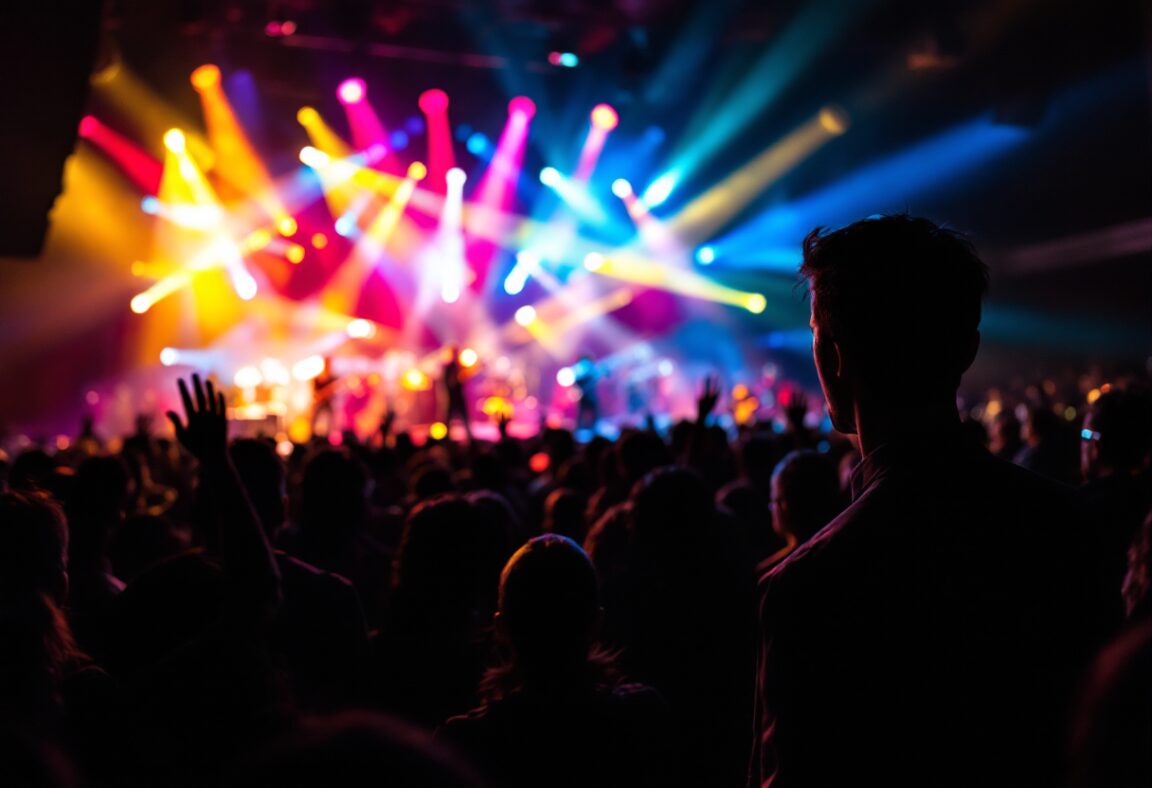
{"type": "Point", "coordinates": [900, 293]}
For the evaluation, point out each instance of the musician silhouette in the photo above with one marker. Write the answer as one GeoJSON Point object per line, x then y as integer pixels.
{"type": "Point", "coordinates": [456, 400]}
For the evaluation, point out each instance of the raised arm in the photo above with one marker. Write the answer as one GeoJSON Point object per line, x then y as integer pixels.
{"type": "Point", "coordinates": [249, 568]}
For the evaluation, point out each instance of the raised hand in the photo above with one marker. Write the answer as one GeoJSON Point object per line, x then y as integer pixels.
{"type": "Point", "coordinates": [797, 410]}
{"type": "Point", "coordinates": [502, 422]}
{"type": "Point", "coordinates": [205, 433]}
{"type": "Point", "coordinates": [706, 402]}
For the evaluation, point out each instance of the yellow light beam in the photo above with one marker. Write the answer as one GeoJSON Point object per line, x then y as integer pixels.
{"type": "Point", "coordinates": [238, 164]}
{"type": "Point", "coordinates": [147, 115]}
{"type": "Point", "coordinates": [706, 214]}
{"type": "Point", "coordinates": [683, 282]}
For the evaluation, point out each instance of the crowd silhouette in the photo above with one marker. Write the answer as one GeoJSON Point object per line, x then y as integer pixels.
{"type": "Point", "coordinates": [937, 592]}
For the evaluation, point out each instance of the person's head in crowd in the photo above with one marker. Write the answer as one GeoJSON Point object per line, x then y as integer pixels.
{"type": "Point", "coordinates": [167, 607]}
{"type": "Point", "coordinates": [142, 541]}
{"type": "Point", "coordinates": [333, 500]}
{"type": "Point", "coordinates": [549, 616]}
{"type": "Point", "coordinates": [564, 510]}
{"type": "Point", "coordinates": [576, 473]}
{"type": "Point", "coordinates": [432, 480]}
{"type": "Point", "coordinates": [262, 474]}
{"type": "Point", "coordinates": [1117, 434]}
{"type": "Point", "coordinates": [354, 749]}
{"type": "Point", "coordinates": [559, 445]}
{"type": "Point", "coordinates": [497, 532]}
{"type": "Point", "coordinates": [1042, 426]}
{"type": "Point", "coordinates": [758, 457]}
{"type": "Point", "coordinates": [436, 560]}
{"type": "Point", "coordinates": [671, 505]}
{"type": "Point", "coordinates": [753, 514]}
{"type": "Point", "coordinates": [1004, 438]}
{"type": "Point", "coordinates": [32, 470]}
{"type": "Point", "coordinates": [36, 643]}
{"type": "Point", "coordinates": [896, 305]}
{"type": "Point", "coordinates": [805, 495]}
{"type": "Point", "coordinates": [641, 452]}
{"type": "Point", "coordinates": [100, 495]}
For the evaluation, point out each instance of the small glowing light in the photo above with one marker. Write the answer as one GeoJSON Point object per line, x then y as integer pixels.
{"type": "Point", "coordinates": [603, 116]}
{"type": "Point", "coordinates": [515, 281]}
{"type": "Point", "coordinates": [314, 158]}
{"type": "Point", "coordinates": [665, 367]}
{"type": "Point", "coordinates": [361, 328]}
{"type": "Point", "coordinates": [433, 101]}
{"type": "Point", "coordinates": [550, 176]}
{"type": "Point", "coordinates": [661, 189]}
{"type": "Point", "coordinates": [538, 462]}
{"type": "Point", "coordinates": [526, 315]}
{"type": "Point", "coordinates": [62, 442]}
{"type": "Point", "coordinates": [140, 304]}
{"type": "Point", "coordinates": [1093, 395]}
{"type": "Point", "coordinates": [272, 29]}
{"type": "Point", "coordinates": [248, 377]}
{"type": "Point", "coordinates": [1070, 413]}
{"type": "Point", "coordinates": [593, 261]}
{"type": "Point", "coordinates": [523, 106]}
{"type": "Point", "coordinates": [285, 448]}
{"type": "Point", "coordinates": [456, 177]}
{"type": "Point", "coordinates": [287, 226]}
{"type": "Point", "coordinates": [415, 380]}
{"type": "Point", "coordinates": [566, 376]}
{"type": "Point", "coordinates": [205, 77]}
{"type": "Point", "coordinates": [169, 356]}
{"type": "Point", "coordinates": [399, 139]}
{"type": "Point", "coordinates": [621, 188]}
{"type": "Point", "coordinates": [478, 144]}
{"type": "Point", "coordinates": [259, 239]}
{"type": "Point", "coordinates": [150, 205]}
{"type": "Point", "coordinates": [88, 126]}
{"type": "Point", "coordinates": [174, 140]}
{"type": "Point", "coordinates": [319, 240]}
{"type": "Point", "coordinates": [755, 303]}
{"type": "Point", "coordinates": [469, 357]}
{"type": "Point", "coordinates": [740, 391]}
{"type": "Point", "coordinates": [288, 28]}
{"type": "Point", "coordinates": [295, 254]}
{"type": "Point", "coordinates": [92, 398]}
{"type": "Point", "coordinates": [351, 91]}
{"type": "Point", "coordinates": [275, 372]}
{"type": "Point", "coordinates": [705, 255]}
{"type": "Point", "coordinates": [308, 368]}
{"type": "Point", "coordinates": [438, 431]}
{"type": "Point", "coordinates": [834, 120]}
{"type": "Point", "coordinates": [306, 116]}
{"type": "Point", "coordinates": [564, 59]}
{"type": "Point", "coordinates": [245, 286]}
{"type": "Point", "coordinates": [417, 171]}
{"type": "Point", "coordinates": [345, 226]}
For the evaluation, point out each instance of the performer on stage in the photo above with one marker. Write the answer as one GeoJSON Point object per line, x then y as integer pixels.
{"type": "Point", "coordinates": [457, 402]}
{"type": "Point", "coordinates": [323, 396]}
{"type": "Point", "coordinates": [587, 377]}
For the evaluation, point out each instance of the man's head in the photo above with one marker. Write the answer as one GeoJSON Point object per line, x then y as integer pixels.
{"type": "Point", "coordinates": [805, 495]}
{"type": "Point", "coordinates": [1117, 434]}
{"type": "Point", "coordinates": [895, 308]}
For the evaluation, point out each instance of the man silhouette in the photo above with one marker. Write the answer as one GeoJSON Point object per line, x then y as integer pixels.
{"type": "Point", "coordinates": [933, 633]}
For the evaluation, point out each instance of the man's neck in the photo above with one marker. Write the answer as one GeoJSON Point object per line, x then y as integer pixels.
{"type": "Point", "coordinates": [877, 426]}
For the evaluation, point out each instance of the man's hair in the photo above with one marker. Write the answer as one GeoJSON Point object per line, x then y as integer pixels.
{"type": "Point", "coordinates": [1123, 417]}
{"type": "Point", "coordinates": [900, 295]}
